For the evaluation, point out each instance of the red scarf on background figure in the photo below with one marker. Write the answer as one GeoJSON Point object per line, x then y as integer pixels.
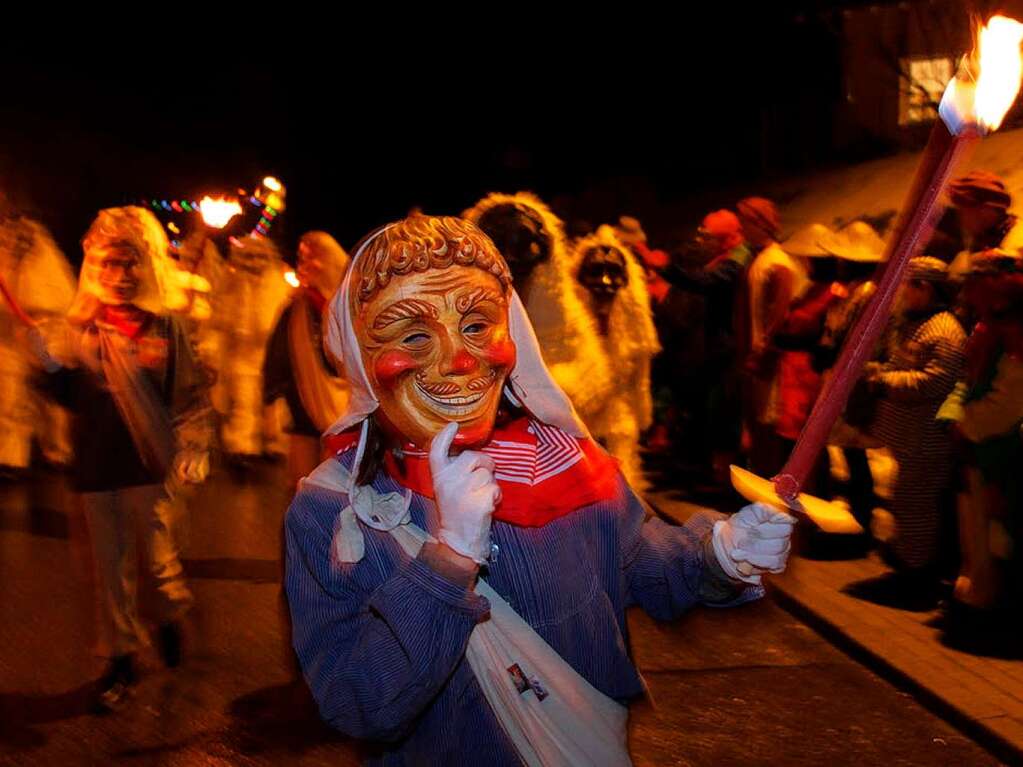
{"type": "Point", "coordinates": [126, 319]}
{"type": "Point", "coordinates": [543, 472]}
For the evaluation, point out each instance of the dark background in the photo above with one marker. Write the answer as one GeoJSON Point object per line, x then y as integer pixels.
{"type": "Point", "coordinates": [603, 116]}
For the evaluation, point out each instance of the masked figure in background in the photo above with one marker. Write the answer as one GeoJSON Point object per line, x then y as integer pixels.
{"type": "Point", "coordinates": [720, 280]}
{"type": "Point", "coordinates": [859, 249]}
{"type": "Point", "coordinates": [986, 409]}
{"type": "Point", "coordinates": [795, 339]}
{"type": "Point", "coordinates": [189, 298]}
{"type": "Point", "coordinates": [613, 288]}
{"type": "Point", "coordinates": [458, 574]}
{"type": "Point", "coordinates": [252, 294]}
{"type": "Point", "coordinates": [669, 317]}
{"type": "Point", "coordinates": [981, 201]}
{"type": "Point", "coordinates": [41, 282]}
{"type": "Point", "coordinates": [202, 271]}
{"type": "Point", "coordinates": [923, 359]}
{"type": "Point", "coordinates": [296, 367]}
{"type": "Point", "coordinates": [677, 382]}
{"type": "Point", "coordinates": [777, 276]}
{"type": "Point", "coordinates": [532, 240]}
{"type": "Point", "coordinates": [137, 394]}
{"type": "Point", "coordinates": [203, 266]}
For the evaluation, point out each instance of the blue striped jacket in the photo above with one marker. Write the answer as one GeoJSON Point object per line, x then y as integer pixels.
{"type": "Point", "coordinates": [382, 642]}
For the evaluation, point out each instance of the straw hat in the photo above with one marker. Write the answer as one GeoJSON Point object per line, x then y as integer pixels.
{"type": "Point", "coordinates": [856, 241]}
{"type": "Point", "coordinates": [806, 242]}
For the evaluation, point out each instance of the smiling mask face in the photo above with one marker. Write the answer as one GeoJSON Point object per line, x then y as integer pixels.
{"type": "Point", "coordinates": [436, 347]}
{"type": "Point", "coordinates": [117, 264]}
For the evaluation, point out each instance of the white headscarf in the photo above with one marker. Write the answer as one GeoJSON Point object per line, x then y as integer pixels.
{"type": "Point", "coordinates": [529, 384]}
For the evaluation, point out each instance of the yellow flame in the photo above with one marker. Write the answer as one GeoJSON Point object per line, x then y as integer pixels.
{"type": "Point", "coordinates": [984, 101]}
{"type": "Point", "coordinates": [272, 184]}
{"type": "Point", "coordinates": [1000, 70]}
{"type": "Point", "coordinates": [217, 212]}
{"type": "Point", "coordinates": [291, 279]}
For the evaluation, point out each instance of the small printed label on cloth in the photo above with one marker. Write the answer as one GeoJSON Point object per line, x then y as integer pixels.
{"type": "Point", "coordinates": [538, 689]}
{"type": "Point", "coordinates": [522, 683]}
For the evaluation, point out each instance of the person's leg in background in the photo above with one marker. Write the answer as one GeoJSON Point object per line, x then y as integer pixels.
{"type": "Point", "coordinates": [112, 533]}
{"type": "Point", "coordinates": [15, 412]}
{"type": "Point", "coordinates": [53, 431]}
{"type": "Point", "coordinates": [163, 511]}
{"type": "Point", "coordinates": [860, 486]}
{"type": "Point", "coordinates": [242, 429]}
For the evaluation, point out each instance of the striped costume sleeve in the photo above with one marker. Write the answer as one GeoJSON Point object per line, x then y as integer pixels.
{"type": "Point", "coordinates": [670, 569]}
{"type": "Point", "coordinates": [942, 365]}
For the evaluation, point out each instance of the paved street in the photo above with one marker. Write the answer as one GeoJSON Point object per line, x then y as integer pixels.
{"type": "Point", "coordinates": [746, 686]}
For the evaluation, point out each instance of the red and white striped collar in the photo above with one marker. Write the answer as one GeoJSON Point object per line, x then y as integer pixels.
{"type": "Point", "coordinates": [544, 473]}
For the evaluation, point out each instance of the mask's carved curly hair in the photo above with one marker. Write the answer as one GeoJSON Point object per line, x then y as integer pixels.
{"type": "Point", "coordinates": [421, 243]}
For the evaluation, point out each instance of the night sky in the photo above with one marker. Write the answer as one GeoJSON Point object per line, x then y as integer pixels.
{"type": "Point", "coordinates": [617, 115]}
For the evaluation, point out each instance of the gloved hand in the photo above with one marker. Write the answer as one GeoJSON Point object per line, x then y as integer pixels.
{"type": "Point", "coordinates": [466, 495]}
{"type": "Point", "coordinates": [753, 541]}
{"type": "Point", "coordinates": [952, 409]}
{"type": "Point", "coordinates": [38, 345]}
{"type": "Point", "coordinates": [192, 466]}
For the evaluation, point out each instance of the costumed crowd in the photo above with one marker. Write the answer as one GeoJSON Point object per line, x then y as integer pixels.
{"type": "Point", "coordinates": [472, 409]}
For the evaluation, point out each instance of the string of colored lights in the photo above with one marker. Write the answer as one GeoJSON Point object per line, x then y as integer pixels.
{"type": "Point", "coordinates": [266, 220]}
{"type": "Point", "coordinates": [268, 214]}
{"type": "Point", "coordinates": [261, 229]}
{"type": "Point", "coordinates": [182, 206]}
{"type": "Point", "coordinates": [186, 206]}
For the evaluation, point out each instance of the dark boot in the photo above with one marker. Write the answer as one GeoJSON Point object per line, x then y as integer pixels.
{"type": "Point", "coordinates": [168, 642]}
{"type": "Point", "coordinates": [114, 686]}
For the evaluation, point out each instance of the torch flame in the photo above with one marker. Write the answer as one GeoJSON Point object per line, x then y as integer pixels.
{"type": "Point", "coordinates": [291, 279]}
{"type": "Point", "coordinates": [217, 212]}
{"type": "Point", "coordinates": [1000, 70]}
{"type": "Point", "coordinates": [983, 102]}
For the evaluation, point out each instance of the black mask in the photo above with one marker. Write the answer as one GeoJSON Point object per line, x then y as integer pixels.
{"type": "Point", "coordinates": [603, 272]}
{"type": "Point", "coordinates": [518, 233]}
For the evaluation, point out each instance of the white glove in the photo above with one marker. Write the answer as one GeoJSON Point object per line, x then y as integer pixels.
{"type": "Point", "coordinates": [753, 541]}
{"type": "Point", "coordinates": [38, 345]}
{"type": "Point", "coordinates": [466, 495]}
{"type": "Point", "coordinates": [192, 466]}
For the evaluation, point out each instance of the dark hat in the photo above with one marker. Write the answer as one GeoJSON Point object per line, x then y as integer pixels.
{"type": "Point", "coordinates": [979, 187]}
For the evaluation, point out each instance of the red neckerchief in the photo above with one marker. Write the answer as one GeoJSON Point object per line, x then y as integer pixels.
{"type": "Point", "coordinates": [543, 472]}
{"type": "Point", "coordinates": [127, 320]}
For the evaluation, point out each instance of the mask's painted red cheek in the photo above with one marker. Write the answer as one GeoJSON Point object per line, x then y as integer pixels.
{"type": "Point", "coordinates": [390, 365]}
{"type": "Point", "coordinates": [500, 353]}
